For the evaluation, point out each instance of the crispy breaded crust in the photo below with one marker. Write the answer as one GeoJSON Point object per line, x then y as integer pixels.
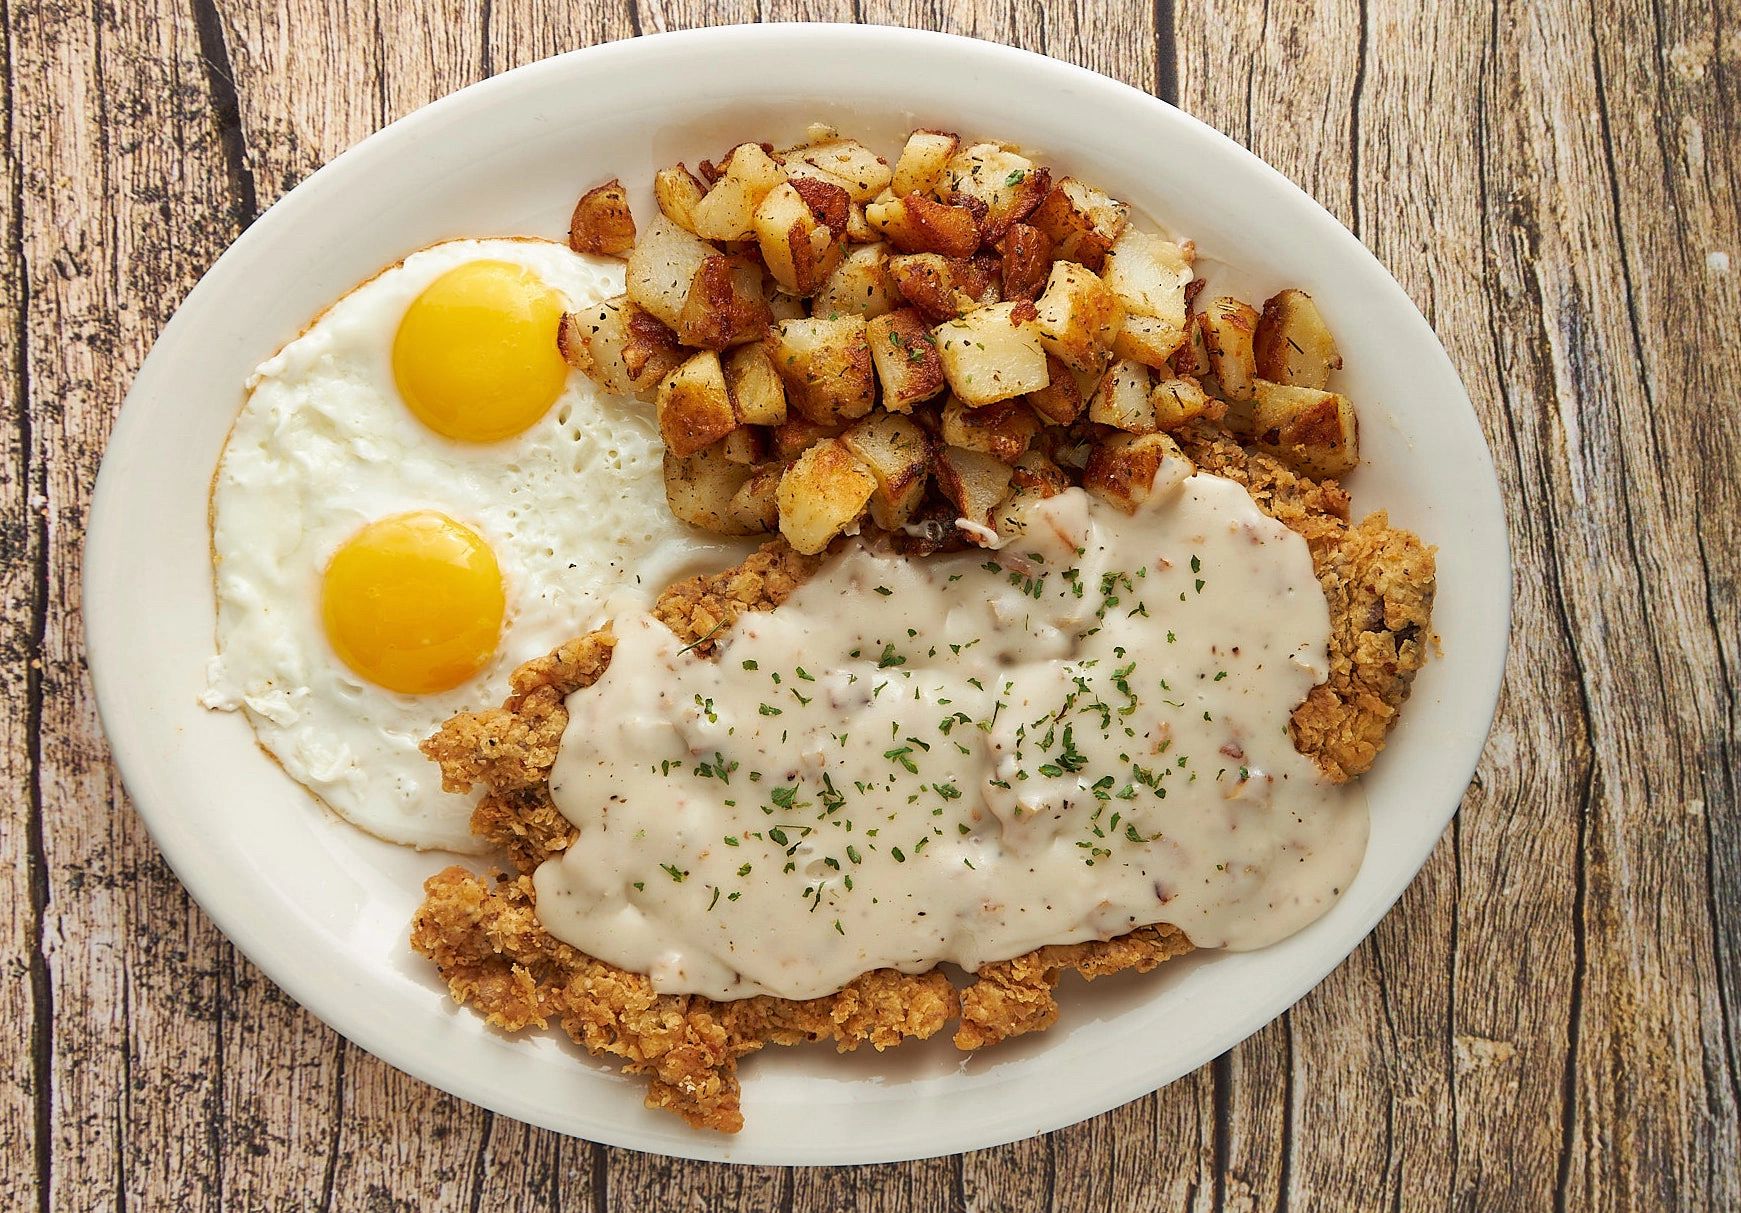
{"type": "Point", "coordinates": [492, 952]}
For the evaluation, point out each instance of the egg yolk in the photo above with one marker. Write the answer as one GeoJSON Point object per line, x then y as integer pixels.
{"type": "Point", "coordinates": [414, 603]}
{"type": "Point", "coordinates": [475, 356]}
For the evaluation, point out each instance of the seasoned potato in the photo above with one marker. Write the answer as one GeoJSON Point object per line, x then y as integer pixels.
{"type": "Point", "coordinates": [996, 184]}
{"type": "Point", "coordinates": [898, 454]}
{"type": "Point", "coordinates": [861, 284]}
{"type": "Point", "coordinates": [1293, 345]}
{"type": "Point", "coordinates": [1082, 221]}
{"type": "Point", "coordinates": [700, 489]}
{"type": "Point", "coordinates": [727, 211]}
{"type": "Point", "coordinates": [1228, 326]}
{"type": "Point", "coordinates": [602, 222]}
{"type": "Point", "coordinates": [922, 162]}
{"type": "Point", "coordinates": [1122, 469]}
{"type": "Point", "coordinates": [757, 394]}
{"type": "Point", "coordinates": [662, 267]}
{"type": "Point", "coordinates": [756, 504]}
{"type": "Point", "coordinates": [826, 364]}
{"type": "Point", "coordinates": [746, 444]}
{"type": "Point", "coordinates": [782, 306]}
{"type": "Point", "coordinates": [1026, 254]}
{"type": "Point", "coordinates": [1062, 399]}
{"type": "Point", "coordinates": [1192, 356]}
{"type": "Point", "coordinates": [677, 192]}
{"type": "Point", "coordinates": [694, 405]}
{"type": "Point", "coordinates": [1003, 430]}
{"type": "Point", "coordinates": [907, 361]}
{"type": "Point", "coordinates": [845, 162]}
{"type": "Point", "coordinates": [725, 305]}
{"type": "Point", "coordinates": [1078, 317]}
{"type": "Point", "coordinates": [943, 288]}
{"type": "Point", "coordinates": [1149, 340]}
{"type": "Point", "coordinates": [1122, 399]}
{"type": "Point", "coordinates": [916, 224]}
{"type": "Point", "coordinates": [974, 483]}
{"type": "Point", "coordinates": [822, 494]}
{"type": "Point", "coordinates": [993, 353]}
{"type": "Point", "coordinates": [1033, 477]}
{"type": "Point", "coordinates": [1313, 430]}
{"type": "Point", "coordinates": [795, 435]}
{"type": "Point", "coordinates": [1176, 401]}
{"type": "Point", "coordinates": [798, 242]}
{"type": "Point", "coordinates": [620, 346]}
{"type": "Point", "coordinates": [858, 228]}
{"type": "Point", "coordinates": [1150, 275]}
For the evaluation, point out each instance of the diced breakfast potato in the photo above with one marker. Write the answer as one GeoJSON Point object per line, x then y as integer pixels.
{"type": "Point", "coordinates": [1003, 430]}
{"type": "Point", "coordinates": [727, 211]}
{"type": "Point", "coordinates": [1078, 317]}
{"type": "Point", "coordinates": [782, 306]}
{"type": "Point", "coordinates": [917, 224]}
{"type": "Point", "coordinates": [822, 494]}
{"type": "Point", "coordinates": [756, 504]}
{"type": "Point", "coordinates": [602, 222]}
{"type": "Point", "coordinates": [1122, 469]}
{"type": "Point", "coordinates": [1149, 340]}
{"type": "Point", "coordinates": [1192, 356]}
{"type": "Point", "coordinates": [700, 489]}
{"type": "Point", "coordinates": [974, 483]}
{"type": "Point", "coordinates": [993, 353]}
{"type": "Point", "coordinates": [621, 347]}
{"type": "Point", "coordinates": [846, 162]}
{"type": "Point", "coordinates": [858, 228]}
{"type": "Point", "coordinates": [694, 407]}
{"type": "Point", "coordinates": [944, 287]}
{"type": "Point", "coordinates": [898, 454]}
{"type": "Point", "coordinates": [995, 183]}
{"type": "Point", "coordinates": [662, 267]}
{"type": "Point", "coordinates": [826, 365]}
{"type": "Point", "coordinates": [1083, 222]}
{"type": "Point", "coordinates": [1293, 345]}
{"type": "Point", "coordinates": [1063, 398]}
{"type": "Point", "coordinates": [677, 192]}
{"type": "Point", "coordinates": [1313, 430]}
{"type": "Point", "coordinates": [1122, 399]}
{"type": "Point", "coordinates": [1150, 274]}
{"type": "Point", "coordinates": [757, 394]}
{"type": "Point", "coordinates": [746, 444]}
{"type": "Point", "coordinates": [1026, 254]}
{"type": "Point", "coordinates": [795, 435]}
{"type": "Point", "coordinates": [798, 244]}
{"type": "Point", "coordinates": [1228, 326]}
{"type": "Point", "coordinates": [908, 364]}
{"type": "Point", "coordinates": [725, 306]}
{"type": "Point", "coordinates": [1033, 477]}
{"type": "Point", "coordinates": [1177, 401]}
{"type": "Point", "coordinates": [922, 162]}
{"type": "Point", "coordinates": [861, 283]}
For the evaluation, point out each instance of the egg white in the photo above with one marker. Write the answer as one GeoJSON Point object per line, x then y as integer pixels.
{"type": "Point", "coordinates": [574, 509]}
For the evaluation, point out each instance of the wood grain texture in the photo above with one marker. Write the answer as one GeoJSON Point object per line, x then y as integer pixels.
{"type": "Point", "coordinates": [1548, 1018]}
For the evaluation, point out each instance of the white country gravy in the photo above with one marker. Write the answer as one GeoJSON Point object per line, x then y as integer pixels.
{"type": "Point", "coordinates": [962, 758]}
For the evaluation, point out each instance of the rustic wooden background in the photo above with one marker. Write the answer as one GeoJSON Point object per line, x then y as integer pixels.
{"type": "Point", "coordinates": [1544, 1021]}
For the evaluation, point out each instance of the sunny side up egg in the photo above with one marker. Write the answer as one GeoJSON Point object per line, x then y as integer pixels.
{"type": "Point", "coordinates": [417, 496]}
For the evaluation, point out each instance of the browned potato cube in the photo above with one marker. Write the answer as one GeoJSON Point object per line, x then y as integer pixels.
{"type": "Point", "coordinates": [746, 444]}
{"type": "Point", "coordinates": [1063, 398]}
{"type": "Point", "coordinates": [1293, 345]}
{"type": "Point", "coordinates": [677, 192]}
{"type": "Point", "coordinates": [1083, 222]}
{"type": "Point", "coordinates": [800, 248]}
{"type": "Point", "coordinates": [1078, 317]}
{"type": "Point", "coordinates": [725, 306]}
{"type": "Point", "coordinates": [756, 504]}
{"type": "Point", "coordinates": [1150, 274]}
{"type": "Point", "coordinates": [1003, 430]}
{"type": "Point", "coordinates": [1122, 469]}
{"type": "Point", "coordinates": [1027, 261]}
{"type": "Point", "coordinates": [662, 268]}
{"type": "Point", "coordinates": [795, 435]}
{"type": "Point", "coordinates": [757, 394]}
{"type": "Point", "coordinates": [1176, 401]}
{"type": "Point", "coordinates": [1033, 478]}
{"type": "Point", "coordinates": [974, 483]}
{"type": "Point", "coordinates": [727, 211]}
{"type": "Point", "coordinates": [943, 288]}
{"type": "Point", "coordinates": [621, 347]}
{"type": "Point", "coordinates": [1228, 327]}
{"type": "Point", "coordinates": [694, 405]}
{"type": "Point", "coordinates": [858, 228]}
{"type": "Point", "coordinates": [1192, 356]}
{"type": "Point", "coordinates": [602, 222]}
{"type": "Point", "coordinates": [1122, 399]}
{"type": "Point", "coordinates": [922, 162]}
{"type": "Point", "coordinates": [826, 365]}
{"type": "Point", "coordinates": [907, 361]}
{"type": "Point", "coordinates": [845, 162]}
{"type": "Point", "coordinates": [861, 283]}
{"type": "Point", "coordinates": [916, 224]}
{"type": "Point", "coordinates": [993, 353]}
{"type": "Point", "coordinates": [898, 454]}
{"type": "Point", "coordinates": [1149, 340]}
{"type": "Point", "coordinates": [822, 494]}
{"type": "Point", "coordinates": [700, 489]}
{"type": "Point", "coordinates": [1313, 430]}
{"type": "Point", "coordinates": [995, 183]}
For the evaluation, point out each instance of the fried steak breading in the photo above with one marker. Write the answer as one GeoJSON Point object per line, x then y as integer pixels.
{"type": "Point", "coordinates": [485, 938]}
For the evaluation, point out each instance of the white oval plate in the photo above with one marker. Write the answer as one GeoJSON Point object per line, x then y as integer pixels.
{"type": "Point", "coordinates": [324, 910]}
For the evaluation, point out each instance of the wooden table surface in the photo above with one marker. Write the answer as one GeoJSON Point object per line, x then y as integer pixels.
{"type": "Point", "coordinates": [1545, 1019]}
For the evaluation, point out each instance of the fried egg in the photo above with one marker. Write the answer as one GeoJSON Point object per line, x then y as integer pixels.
{"type": "Point", "coordinates": [418, 495]}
